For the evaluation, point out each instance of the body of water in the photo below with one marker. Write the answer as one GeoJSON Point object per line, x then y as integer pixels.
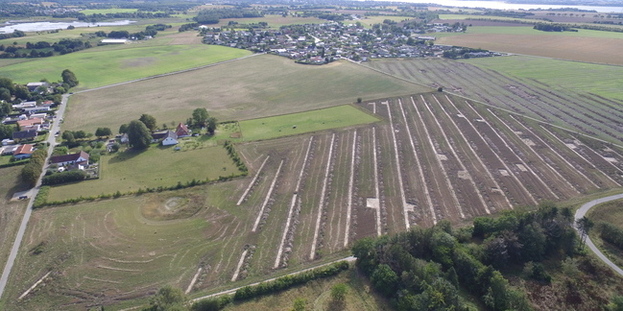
{"type": "Point", "coordinates": [43, 26]}
{"type": "Point", "coordinates": [500, 5]}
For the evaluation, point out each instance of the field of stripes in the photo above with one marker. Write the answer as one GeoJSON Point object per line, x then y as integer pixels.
{"type": "Point", "coordinates": [433, 157]}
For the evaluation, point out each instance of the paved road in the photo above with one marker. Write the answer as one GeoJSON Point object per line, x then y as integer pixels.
{"type": "Point", "coordinates": [581, 212]}
{"type": "Point", "coordinates": [22, 227]}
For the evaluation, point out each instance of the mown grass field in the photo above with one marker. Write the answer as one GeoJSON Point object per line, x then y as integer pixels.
{"type": "Point", "coordinates": [274, 21]}
{"type": "Point", "coordinates": [111, 247]}
{"type": "Point", "coordinates": [157, 166]}
{"type": "Point", "coordinates": [584, 45]}
{"type": "Point", "coordinates": [304, 122]}
{"type": "Point", "coordinates": [602, 80]}
{"type": "Point", "coordinates": [10, 212]}
{"type": "Point", "coordinates": [251, 88]}
{"type": "Point", "coordinates": [103, 66]}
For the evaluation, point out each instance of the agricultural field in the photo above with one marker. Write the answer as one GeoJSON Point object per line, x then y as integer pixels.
{"type": "Point", "coordinates": [307, 198]}
{"type": "Point", "coordinates": [254, 87]}
{"type": "Point", "coordinates": [11, 212]}
{"type": "Point", "coordinates": [584, 45]}
{"type": "Point", "coordinates": [107, 65]}
{"type": "Point", "coordinates": [155, 167]}
{"type": "Point", "coordinates": [569, 94]}
{"type": "Point", "coordinates": [107, 11]}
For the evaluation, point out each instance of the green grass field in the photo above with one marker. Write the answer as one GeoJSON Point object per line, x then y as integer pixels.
{"type": "Point", "coordinates": [304, 122]}
{"type": "Point", "coordinates": [251, 88]}
{"type": "Point", "coordinates": [157, 166]}
{"type": "Point", "coordinates": [528, 30]}
{"type": "Point", "coordinates": [107, 11]}
{"type": "Point", "coordinates": [560, 74]}
{"type": "Point", "coordinates": [103, 66]}
{"type": "Point", "coordinates": [11, 212]}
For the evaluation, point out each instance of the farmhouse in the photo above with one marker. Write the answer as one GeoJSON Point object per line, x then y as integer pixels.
{"type": "Point", "coordinates": [81, 158]}
{"type": "Point", "coordinates": [170, 139]}
{"type": "Point", "coordinates": [23, 152]}
{"type": "Point", "coordinates": [33, 86]}
{"type": "Point", "coordinates": [182, 130]}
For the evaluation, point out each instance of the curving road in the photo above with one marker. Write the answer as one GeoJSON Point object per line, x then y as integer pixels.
{"type": "Point", "coordinates": [581, 212]}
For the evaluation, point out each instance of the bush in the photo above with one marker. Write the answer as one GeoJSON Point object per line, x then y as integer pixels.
{"type": "Point", "coordinates": [64, 177]}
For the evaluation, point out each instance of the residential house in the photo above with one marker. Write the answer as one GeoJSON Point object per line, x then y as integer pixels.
{"type": "Point", "coordinates": [30, 123]}
{"type": "Point", "coordinates": [158, 136]}
{"type": "Point", "coordinates": [23, 152]}
{"type": "Point", "coordinates": [81, 158]}
{"type": "Point", "coordinates": [9, 150]}
{"type": "Point", "coordinates": [32, 86]}
{"type": "Point", "coordinates": [25, 135]}
{"type": "Point", "coordinates": [182, 130]}
{"type": "Point", "coordinates": [170, 139]}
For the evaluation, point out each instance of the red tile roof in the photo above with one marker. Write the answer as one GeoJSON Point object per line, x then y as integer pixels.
{"type": "Point", "coordinates": [23, 149]}
{"type": "Point", "coordinates": [69, 157]}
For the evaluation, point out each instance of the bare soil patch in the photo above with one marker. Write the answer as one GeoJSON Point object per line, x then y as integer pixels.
{"type": "Point", "coordinates": [162, 208]}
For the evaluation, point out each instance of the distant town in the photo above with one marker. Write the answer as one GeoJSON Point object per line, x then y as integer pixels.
{"type": "Point", "coordinates": [323, 43]}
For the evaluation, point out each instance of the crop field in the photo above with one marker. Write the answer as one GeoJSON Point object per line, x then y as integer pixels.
{"type": "Point", "coordinates": [104, 66]}
{"type": "Point", "coordinates": [249, 88]}
{"type": "Point", "coordinates": [524, 88]}
{"type": "Point", "coordinates": [107, 11]}
{"type": "Point", "coordinates": [154, 167]}
{"type": "Point", "coordinates": [307, 198]}
{"type": "Point", "coordinates": [584, 45]}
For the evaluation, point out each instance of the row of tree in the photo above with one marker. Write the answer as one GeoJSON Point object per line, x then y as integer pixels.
{"type": "Point", "coordinates": [33, 169]}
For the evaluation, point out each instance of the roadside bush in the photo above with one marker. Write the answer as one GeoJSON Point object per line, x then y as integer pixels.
{"type": "Point", "coordinates": [289, 281]}
{"type": "Point", "coordinates": [64, 177]}
{"type": "Point", "coordinates": [42, 197]}
{"type": "Point", "coordinates": [611, 234]}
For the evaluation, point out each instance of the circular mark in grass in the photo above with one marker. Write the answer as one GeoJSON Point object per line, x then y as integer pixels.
{"type": "Point", "coordinates": [161, 207]}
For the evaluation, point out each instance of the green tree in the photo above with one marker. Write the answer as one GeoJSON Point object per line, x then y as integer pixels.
{"type": "Point", "coordinates": [385, 280]}
{"type": "Point", "coordinates": [300, 304]}
{"type": "Point", "coordinates": [338, 296]}
{"type": "Point", "coordinates": [123, 129]}
{"type": "Point", "coordinates": [584, 225]}
{"type": "Point", "coordinates": [30, 173]}
{"type": "Point", "coordinates": [6, 131]}
{"type": "Point", "coordinates": [5, 94]}
{"type": "Point", "coordinates": [138, 135]}
{"type": "Point", "coordinates": [5, 109]}
{"type": "Point", "coordinates": [7, 84]}
{"type": "Point", "coordinates": [69, 137]}
{"type": "Point", "coordinates": [103, 131]}
{"type": "Point", "coordinates": [200, 117]}
{"type": "Point", "coordinates": [149, 121]}
{"type": "Point", "coordinates": [211, 124]}
{"type": "Point", "coordinates": [69, 78]}
{"type": "Point", "coordinates": [22, 92]}
{"type": "Point", "coordinates": [169, 298]}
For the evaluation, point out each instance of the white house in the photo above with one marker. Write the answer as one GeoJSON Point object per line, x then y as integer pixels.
{"type": "Point", "coordinates": [170, 139]}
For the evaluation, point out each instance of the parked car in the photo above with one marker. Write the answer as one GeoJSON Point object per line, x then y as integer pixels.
{"type": "Point", "coordinates": [23, 197]}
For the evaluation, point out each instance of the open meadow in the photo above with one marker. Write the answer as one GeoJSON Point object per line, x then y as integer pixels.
{"type": "Point", "coordinates": [307, 198]}
{"type": "Point", "coordinates": [584, 45]}
{"type": "Point", "coordinates": [107, 65]}
{"type": "Point", "coordinates": [569, 94]}
{"type": "Point", "coordinates": [155, 167]}
{"type": "Point", "coordinates": [249, 88]}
